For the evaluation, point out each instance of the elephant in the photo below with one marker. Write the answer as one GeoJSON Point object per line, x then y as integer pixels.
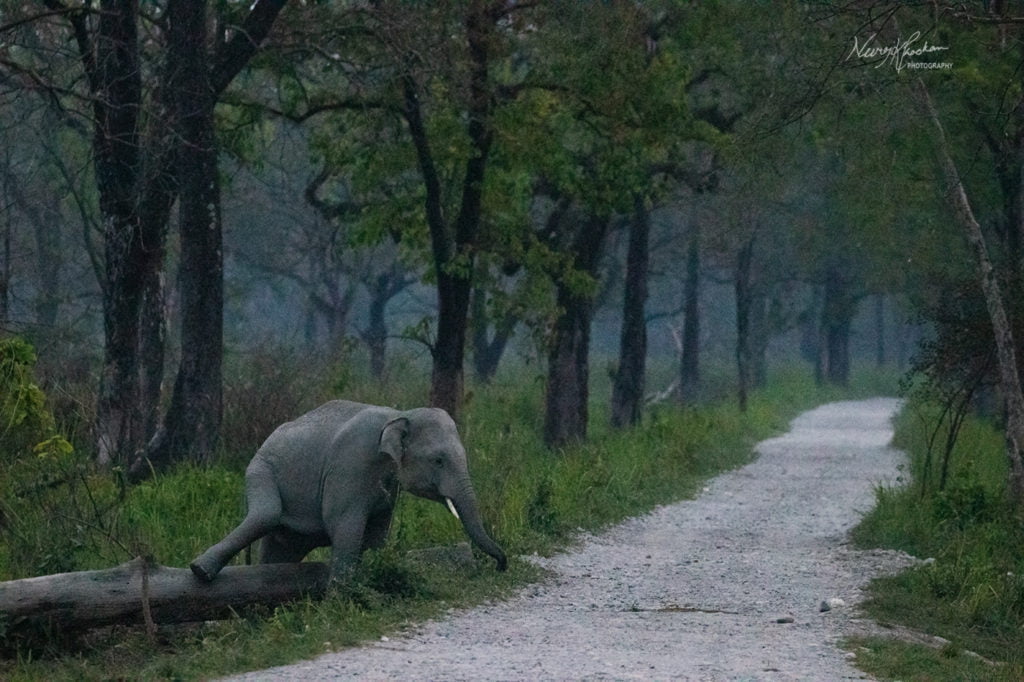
{"type": "Point", "coordinates": [332, 477]}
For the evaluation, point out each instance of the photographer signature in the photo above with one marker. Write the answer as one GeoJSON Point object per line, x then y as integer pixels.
{"type": "Point", "coordinates": [899, 54]}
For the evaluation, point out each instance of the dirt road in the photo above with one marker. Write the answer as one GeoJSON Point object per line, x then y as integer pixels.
{"type": "Point", "coordinates": [728, 586]}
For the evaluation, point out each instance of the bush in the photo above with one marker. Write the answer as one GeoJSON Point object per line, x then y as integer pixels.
{"type": "Point", "coordinates": [25, 419]}
{"type": "Point", "coordinates": [262, 390]}
{"type": "Point", "coordinates": [970, 589]}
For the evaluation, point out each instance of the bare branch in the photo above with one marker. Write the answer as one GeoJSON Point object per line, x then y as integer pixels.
{"type": "Point", "coordinates": [349, 104]}
{"type": "Point", "coordinates": [236, 53]}
{"type": "Point", "coordinates": [57, 11]}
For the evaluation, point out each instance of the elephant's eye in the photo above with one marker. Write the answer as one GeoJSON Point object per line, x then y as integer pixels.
{"type": "Point", "coordinates": [439, 461]}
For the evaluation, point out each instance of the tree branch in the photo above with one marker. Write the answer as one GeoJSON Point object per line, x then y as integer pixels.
{"type": "Point", "coordinates": [57, 9]}
{"type": "Point", "coordinates": [351, 104]}
{"type": "Point", "coordinates": [76, 16]}
{"type": "Point", "coordinates": [236, 53]}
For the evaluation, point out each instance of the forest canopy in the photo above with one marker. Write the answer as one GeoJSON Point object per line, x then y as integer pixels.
{"type": "Point", "coordinates": [188, 185]}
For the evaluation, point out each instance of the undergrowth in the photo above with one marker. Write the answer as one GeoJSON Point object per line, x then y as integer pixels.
{"type": "Point", "coordinates": [969, 588]}
{"type": "Point", "coordinates": [533, 501]}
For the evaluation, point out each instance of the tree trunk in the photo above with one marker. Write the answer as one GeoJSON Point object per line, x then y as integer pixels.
{"type": "Point", "coordinates": [487, 352]}
{"type": "Point", "coordinates": [447, 375]}
{"type": "Point", "coordinates": [136, 191]}
{"type": "Point", "coordinates": [628, 388]}
{"type": "Point", "coordinates": [689, 358]}
{"type": "Point", "coordinates": [453, 287]}
{"type": "Point", "coordinates": [880, 350]}
{"type": "Point", "coordinates": [5, 244]}
{"type": "Point", "coordinates": [152, 338]}
{"type": "Point", "coordinates": [382, 288]}
{"type": "Point", "coordinates": [192, 424]}
{"type": "Point", "coordinates": [453, 245]}
{"type": "Point", "coordinates": [759, 337]}
{"type": "Point", "coordinates": [193, 80]}
{"type": "Point", "coordinates": [744, 296]}
{"type": "Point", "coordinates": [837, 312]}
{"type": "Point", "coordinates": [567, 392]}
{"type": "Point", "coordinates": [116, 75]}
{"type": "Point", "coordinates": [136, 187]}
{"type": "Point", "coordinates": [139, 592]}
{"type": "Point", "coordinates": [49, 263]}
{"type": "Point", "coordinates": [376, 334]}
{"type": "Point", "coordinates": [1009, 374]}
{"type": "Point", "coordinates": [47, 232]}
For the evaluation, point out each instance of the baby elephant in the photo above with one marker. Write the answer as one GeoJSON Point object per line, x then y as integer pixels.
{"type": "Point", "coordinates": [331, 477]}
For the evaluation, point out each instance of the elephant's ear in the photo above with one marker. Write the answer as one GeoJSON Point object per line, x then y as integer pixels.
{"type": "Point", "coordinates": [392, 438]}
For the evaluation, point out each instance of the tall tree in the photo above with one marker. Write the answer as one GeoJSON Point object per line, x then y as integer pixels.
{"type": "Point", "coordinates": [582, 236]}
{"type": "Point", "coordinates": [629, 381]}
{"type": "Point", "coordinates": [140, 122]}
{"type": "Point", "coordinates": [1006, 354]}
{"type": "Point", "coordinates": [689, 343]}
{"type": "Point", "coordinates": [447, 76]}
{"type": "Point", "coordinates": [196, 77]}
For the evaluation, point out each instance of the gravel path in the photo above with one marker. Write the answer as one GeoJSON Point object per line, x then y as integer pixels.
{"type": "Point", "coordinates": [728, 586]}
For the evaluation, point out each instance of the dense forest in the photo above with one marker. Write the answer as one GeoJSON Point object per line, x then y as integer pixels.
{"type": "Point", "coordinates": [204, 205]}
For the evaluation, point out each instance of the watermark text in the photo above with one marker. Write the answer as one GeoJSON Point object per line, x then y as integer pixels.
{"type": "Point", "coordinates": [903, 54]}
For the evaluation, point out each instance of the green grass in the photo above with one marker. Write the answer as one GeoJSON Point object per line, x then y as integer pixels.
{"type": "Point", "coordinates": [532, 499]}
{"type": "Point", "coordinates": [894, 660]}
{"type": "Point", "coordinates": [971, 589]}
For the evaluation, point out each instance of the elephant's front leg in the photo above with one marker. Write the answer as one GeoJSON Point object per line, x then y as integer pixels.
{"type": "Point", "coordinates": [347, 533]}
{"type": "Point", "coordinates": [377, 528]}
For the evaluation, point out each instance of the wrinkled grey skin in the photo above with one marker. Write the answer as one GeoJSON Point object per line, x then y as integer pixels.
{"type": "Point", "coordinates": [331, 477]}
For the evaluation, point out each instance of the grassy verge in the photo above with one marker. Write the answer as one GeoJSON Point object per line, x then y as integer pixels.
{"type": "Point", "coordinates": [970, 590]}
{"type": "Point", "coordinates": [533, 499]}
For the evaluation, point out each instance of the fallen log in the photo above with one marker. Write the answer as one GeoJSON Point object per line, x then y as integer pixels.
{"type": "Point", "coordinates": [143, 592]}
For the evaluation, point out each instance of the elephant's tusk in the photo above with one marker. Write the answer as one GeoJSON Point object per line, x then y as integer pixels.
{"type": "Point", "coordinates": [451, 507]}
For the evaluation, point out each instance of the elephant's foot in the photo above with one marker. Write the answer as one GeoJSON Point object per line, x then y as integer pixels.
{"type": "Point", "coordinates": [205, 568]}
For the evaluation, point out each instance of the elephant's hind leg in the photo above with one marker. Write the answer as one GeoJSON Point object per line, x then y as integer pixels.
{"type": "Point", "coordinates": [263, 516]}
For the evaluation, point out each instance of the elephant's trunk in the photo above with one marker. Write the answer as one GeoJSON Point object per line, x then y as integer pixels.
{"type": "Point", "coordinates": [468, 512]}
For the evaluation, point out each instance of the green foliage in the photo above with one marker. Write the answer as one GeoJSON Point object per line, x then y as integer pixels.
{"type": "Point", "coordinates": [970, 590]}
{"type": "Point", "coordinates": [35, 464]}
{"type": "Point", "coordinates": [892, 659]}
{"type": "Point", "coordinates": [56, 515]}
{"type": "Point", "coordinates": [25, 419]}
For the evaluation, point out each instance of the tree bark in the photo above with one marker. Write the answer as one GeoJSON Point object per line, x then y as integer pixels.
{"type": "Point", "coordinates": [837, 313]}
{"type": "Point", "coordinates": [376, 334]}
{"type": "Point", "coordinates": [194, 80]}
{"type": "Point", "coordinates": [760, 334]}
{"type": "Point", "coordinates": [629, 384]}
{"type": "Point", "coordinates": [152, 343]}
{"type": "Point", "coordinates": [192, 423]}
{"type": "Point", "coordinates": [124, 594]}
{"type": "Point", "coordinates": [880, 349]}
{"type": "Point", "coordinates": [453, 245]}
{"type": "Point", "coordinates": [49, 261]}
{"type": "Point", "coordinates": [744, 299]}
{"type": "Point", "coordinates": [488, 351]}
{"type": "Point", "coordinates": [5, 249]}
{"type": "Point", "coordinates": [1009, 374]}
{"type": "Point", "coordinates": [446, 380]}
{"type": "Point", "coordinates": [114, 72]}
{"type": "Point", "coordinates": [689, 357]}
{"type": "Point", "coordinates": [567, 392]}
{"type": "Point", "coordinates": [136, 186]}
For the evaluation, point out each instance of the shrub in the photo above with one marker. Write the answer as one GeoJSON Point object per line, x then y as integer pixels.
{"type": "Point", "coordinates": [25, 419]}
{"type": "Point", "coordinates": [969, 590]}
